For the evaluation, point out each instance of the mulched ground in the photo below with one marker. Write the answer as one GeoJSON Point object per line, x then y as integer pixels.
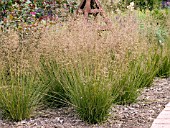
{"type": "Point", "coordinates": [138, 115]}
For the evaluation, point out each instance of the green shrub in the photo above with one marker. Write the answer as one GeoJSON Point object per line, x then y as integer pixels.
{"type": "Point", "coordinates": [144, 4]}
{"type": "Point", "coordinates": [20, 93]}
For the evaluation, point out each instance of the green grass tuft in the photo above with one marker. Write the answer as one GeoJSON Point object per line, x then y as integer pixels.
{"type": "Point", "coordinates": [21, 93]}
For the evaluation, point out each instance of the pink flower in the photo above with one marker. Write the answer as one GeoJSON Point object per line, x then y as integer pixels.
{"type": "Point", "coordinates": [33, 13]}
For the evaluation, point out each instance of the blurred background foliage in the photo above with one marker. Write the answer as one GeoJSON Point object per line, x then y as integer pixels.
{"type": "Point", "coordinates": [30, 11]}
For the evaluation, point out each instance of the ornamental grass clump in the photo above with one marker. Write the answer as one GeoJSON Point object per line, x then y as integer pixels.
{"type": "Point", "coordinates": [89, 92]}
{"type": "Point", "coordinates": [148, 68]}
{"type": "Point", "coordinates": [164, 65]}
{"type": "Point", "coordinates": [138, 73]}
{"type": "Point", "coordinates": [21, 93]}
{"type": "Point", "coordinates": [128, 83]}
{"type": "Point", "coordinates": [164, 68]}
{"type": "Point", "coordinates": [49, 74]}
{"type": "Point", "coordinates": [82, 85]}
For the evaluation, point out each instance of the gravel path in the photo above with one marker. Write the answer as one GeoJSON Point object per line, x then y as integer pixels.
{"type": "Point", "coordinates": [138, 115]}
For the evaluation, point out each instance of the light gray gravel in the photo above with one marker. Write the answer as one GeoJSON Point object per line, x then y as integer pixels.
{"type": "Point", "coordinates": [138, 115]}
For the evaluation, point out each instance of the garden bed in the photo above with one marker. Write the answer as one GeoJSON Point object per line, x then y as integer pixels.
{"type": "Point", "coordinates": [137, 115]}
{"type": "Point", "coordinates": [70, 74]}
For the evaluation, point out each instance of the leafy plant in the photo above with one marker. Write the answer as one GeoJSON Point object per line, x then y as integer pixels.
{"type": "Point", "coordinates": [143, 4]}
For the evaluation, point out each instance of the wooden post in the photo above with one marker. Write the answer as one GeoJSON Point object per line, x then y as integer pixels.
{"type": "Point", "coordinates": [92, 7]}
